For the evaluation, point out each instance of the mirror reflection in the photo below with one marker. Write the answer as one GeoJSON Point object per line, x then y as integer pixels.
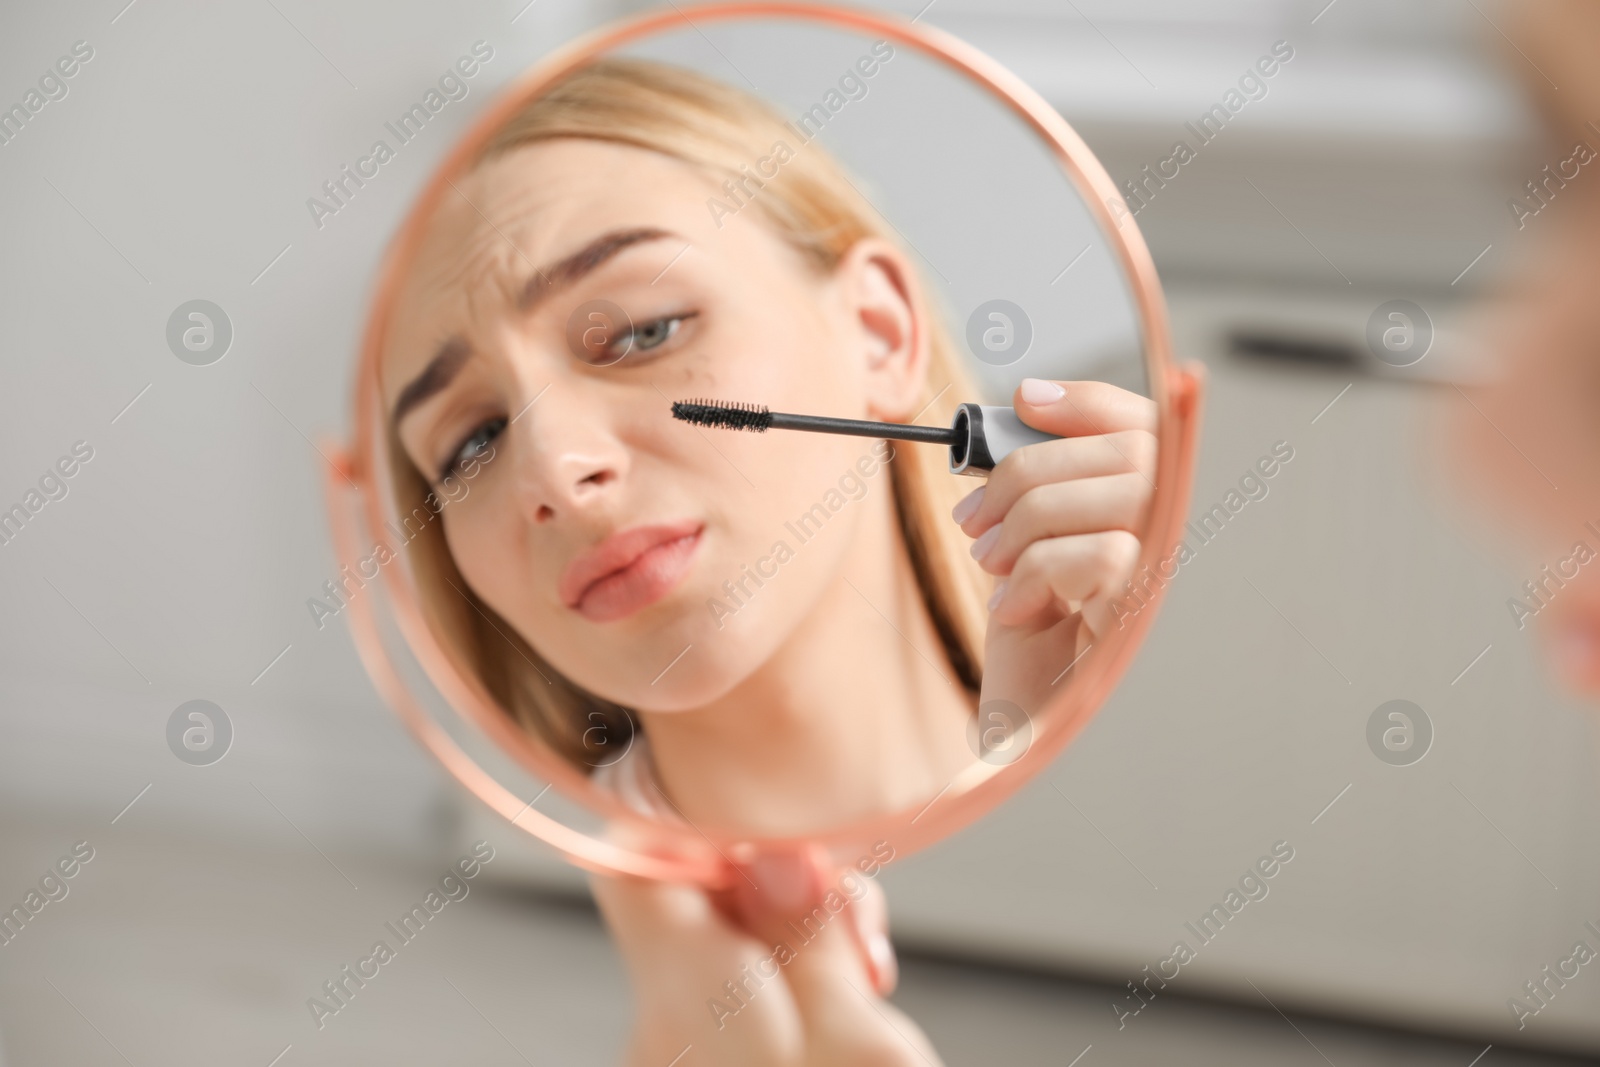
{"type": "Point", "coordinates": [776, 632]}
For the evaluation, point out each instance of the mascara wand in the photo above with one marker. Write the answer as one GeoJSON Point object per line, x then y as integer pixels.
{"type": "Point", "coordinates": [979, 436]}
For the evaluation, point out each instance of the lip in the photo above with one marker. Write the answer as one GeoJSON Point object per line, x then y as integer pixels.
{"type": "Point", "coordinates": [629, 570]}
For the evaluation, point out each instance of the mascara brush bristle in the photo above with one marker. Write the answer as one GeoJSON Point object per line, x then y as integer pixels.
{"type": "Point", "coordinates": [723, 415]}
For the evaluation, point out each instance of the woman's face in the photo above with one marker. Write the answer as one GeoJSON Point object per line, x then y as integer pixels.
{"type": "Point", "coordinates": [652, 562]}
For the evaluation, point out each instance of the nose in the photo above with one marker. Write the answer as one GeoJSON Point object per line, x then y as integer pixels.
{"type": "Point", "coordinates": [568, 462]}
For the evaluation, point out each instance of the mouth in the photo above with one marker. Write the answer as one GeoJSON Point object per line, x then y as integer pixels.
{"type": "Point", "coordinates": [629, 570]}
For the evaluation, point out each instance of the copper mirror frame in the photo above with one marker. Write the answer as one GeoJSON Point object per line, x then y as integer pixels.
{"type": "Point", "coordinates": [686, 853]}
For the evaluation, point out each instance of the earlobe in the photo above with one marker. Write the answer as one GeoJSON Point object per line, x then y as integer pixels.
{"type": "Point", "coordinates": [887, 312]}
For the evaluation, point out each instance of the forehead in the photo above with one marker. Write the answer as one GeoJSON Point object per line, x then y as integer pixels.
{"type": "Point", "coordinates": [524, 210]}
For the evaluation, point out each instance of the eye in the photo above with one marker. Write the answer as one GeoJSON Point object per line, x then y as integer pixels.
{"type": "Point", "coordinates": [472, 447]}
{"type": "Point", "coordinates": [648, 335]}
{"type": "Point", "coordinates": [657, 332]}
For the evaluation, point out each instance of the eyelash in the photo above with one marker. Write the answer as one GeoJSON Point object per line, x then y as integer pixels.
{"type": "Point", "coordinates": [457, 459]}
{"type": "Point", "coordinates": [676, 320]}
{"type": "Point", "coordinates": [496, 425]}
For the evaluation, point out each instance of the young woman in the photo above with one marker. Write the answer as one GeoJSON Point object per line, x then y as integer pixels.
{"type": "Point", "coordinates": [1527, 444]}
{"type": "Point", "coordinates": [793, 624]}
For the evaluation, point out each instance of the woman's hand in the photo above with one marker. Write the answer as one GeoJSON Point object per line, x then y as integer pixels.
{"type": "Point", "coordinates": [1060, 523]}
{"type": "Point", "coordinates": [760, 974]}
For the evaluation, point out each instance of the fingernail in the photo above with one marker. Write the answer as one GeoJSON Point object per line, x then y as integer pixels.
{"type": "Point", "coordinates": [967, 506]}
{"type": "Point", "coordinates": [1039, 391]}
{"type": "Point", "coordinates": [999, 595]}
{"type": "Point", "coordinates": [982, 545]}
{"type": "Point", "coordinates": [883, 963]}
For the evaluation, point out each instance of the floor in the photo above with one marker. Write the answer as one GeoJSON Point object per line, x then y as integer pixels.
{"type": "Point", "coordinates": [179, 951]}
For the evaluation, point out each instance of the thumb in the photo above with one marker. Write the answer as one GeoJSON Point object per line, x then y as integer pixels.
{"type": "Point", "coordinates": [682, 957]}
{"type": "Point", "coordinates": [658, 926]}
{"type": "Point", "coordinates": [833, 921]}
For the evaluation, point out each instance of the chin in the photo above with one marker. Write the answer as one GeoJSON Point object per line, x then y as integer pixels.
{"type": "Point", "coordinates": [716, 663]}
{"type": "Point", "coordinates": [687, 685]}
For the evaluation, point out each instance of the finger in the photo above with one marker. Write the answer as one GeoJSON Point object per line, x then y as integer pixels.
{"type": "Point", "coordinates": [871, 915]}
{"type": "Point", "coordinates": [1062, 509]}
{"type": "Point", "coordinates": [656, 923]}
{"type": "Point", "coordinates": [847, 1022]}
{"type": "Point", "coordinates": [828, 949]}
{"type": "Point", "coordinates": [777, 887]}
{"type": "Point", "coordinates": [1050, 575]}
{"type": "Point", "coordinates": [839, 995]}
{"type": "Point", "coordinates": [683, 957]}
{"type": "Point", "coordinates": [1062, 460]}
{"type": "Point", "coordinates": [798, 897]}
{"type": "Point", "coordinates": [1073, 409]}
{"type": "Point", "coordinates": [800, 900]}
{"type": "Point", "coordinates": [808, 910]}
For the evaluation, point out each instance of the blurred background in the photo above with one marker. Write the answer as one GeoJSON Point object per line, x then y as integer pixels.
{"type": "Point", "coordinates": [1421, 898]}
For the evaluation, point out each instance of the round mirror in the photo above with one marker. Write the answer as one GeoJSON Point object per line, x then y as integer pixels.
{"type": "Point", "coordinates": [765, 432]}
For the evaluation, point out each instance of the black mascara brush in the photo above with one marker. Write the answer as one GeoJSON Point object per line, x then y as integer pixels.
{"type": "Point", "coordinates": [979, 436]}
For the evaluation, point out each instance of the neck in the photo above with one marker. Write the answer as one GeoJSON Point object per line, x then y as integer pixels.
{"type": "Point", "coordinates": [859, 713]}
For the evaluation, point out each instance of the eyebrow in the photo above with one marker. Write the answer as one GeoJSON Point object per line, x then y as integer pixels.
{"type": "Point", "coordinates": [439, 372]}
{"type": "Point", "coordinates": [454, 352]}
{"type": "Point", "coordinates": [557, 276]}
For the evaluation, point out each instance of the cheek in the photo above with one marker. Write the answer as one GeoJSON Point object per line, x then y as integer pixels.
{"type": "Point", "coordinates": [784, 350]}
{"type": "Point", "coordinates": [779, 349]}
{"type": "Point", "coordinates": [484, 535]}
{"type": "Point", "coordinates": [777, 337]}
{"type": "Point", "coordinates": [759, 483]}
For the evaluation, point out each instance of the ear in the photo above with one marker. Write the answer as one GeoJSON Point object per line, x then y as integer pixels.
{"type": "Point", "coordinates": [886, 323]}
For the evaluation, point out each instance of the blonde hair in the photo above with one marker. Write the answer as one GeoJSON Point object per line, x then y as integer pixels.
{"type": "Point", "coordinates": [816, 210]}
